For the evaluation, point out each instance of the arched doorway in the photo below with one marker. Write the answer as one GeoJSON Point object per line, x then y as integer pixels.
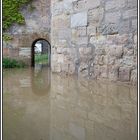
{"type": "Point", "coordinates": [41, 53]}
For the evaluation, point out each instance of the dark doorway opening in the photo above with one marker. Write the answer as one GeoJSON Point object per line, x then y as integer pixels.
{"type": "Point", "coordinates": [41, 53]}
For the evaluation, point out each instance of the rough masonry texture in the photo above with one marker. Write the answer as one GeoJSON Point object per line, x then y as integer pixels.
{"type": "Point", "coordinates": [37, 26]}
{"type": "Point", "coordinates": [95, 38]}
{"type": "Point", "coordinates": [90, 38]}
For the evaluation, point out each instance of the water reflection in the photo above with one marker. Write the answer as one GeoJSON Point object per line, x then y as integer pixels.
{"type": "Point", "coordinates": [40, 80]}
{"type": "Point", "coordinates": [38, 105]}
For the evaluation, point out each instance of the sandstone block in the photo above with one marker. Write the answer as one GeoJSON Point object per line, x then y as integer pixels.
{"type": "Point", "coordinates": [59, 50]}
{"type": "Point", "coordinates": [82, 31]}
{"type": "Point", "coordinates": [108, 29]}
{"type": "Point", "coordinates": [130, 13]}
{"type": "Point", "coordinates": [114, 4]}
{"type": "Point", "coordinates": [116, 51]}
{"type": "Point", "coordinates": [93, 40]}
{"type": "Point", "coordinates": [71, 68]}
{"type": "Point", "coordinates": [56, 67]}
{"type": "Point", "coordinates": [81, 5]}
{"type": "Point", "coordinates": [134, 76]}
{"type": "Point", "coordinates": [135, 50]}
{"type": "Point", "coordinates": [131, 3]}
{"type": "Point", "coordinates": [5, 51]}
{"type": "Point", "coordinates": [95, 16]}
{"type": "Point", "coordinates": [61, 7]}
{"type": "Point", "coordinates": [112, 17]}
{"type": "Point", "coordinates": [128, 52]}
{"type": "Point", "coordinates": [95, 71]}
{"type": "Point", "coordinates": [64, 34]}
{"type": "Point", "coordinates": [100, 51]}
{"type": "Point", "coordinates": [102, 60]}
{"type": "Point", "coordinates": [134, 24]}
{"type": "Point", "coordinates": [103, 71]}
{"type": "Point", "coordinates": [121, 39]}
{"type": "Point", "coordinates": [14, 52]}
{"type": "Point", "coordinates": [24, 52]}
{"type": "Point", "coordinates": [91, 30]}
{"type": "Point", "coordinates": [79, 19]}
{"type": "Point", "coordinates": [74, 36]}
{"type": "Point", "coordinates": [124, 74]}
{"type": "Point", "coordinates": [57, 21]}
{"type": "Point", "coordinates": [82, 41]}
{"type": "Point", "coordinates": [83, 70]}
{"type": "Point", "coordinates": [128, 60]}
{"type": "Point", "coordinates": [85, 51]}
{"type": "Point", "coordinates": [111, 60]}
{"type": "Point", "coordinates": [124, 27]}
{"type": "Point", "coordinates": [135, 39]}
{"type": "Point", "coordinates": [113, 72]}
{"type": "Point", "coordinates": [54, 58]}
{"type": "Point", "coordinates": [91, 4]}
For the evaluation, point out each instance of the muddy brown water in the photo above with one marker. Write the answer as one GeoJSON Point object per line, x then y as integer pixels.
{"type": "Point", "coordinates": [39, 105]}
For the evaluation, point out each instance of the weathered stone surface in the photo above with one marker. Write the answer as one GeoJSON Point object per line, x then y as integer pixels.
{"type": "Point", "coordinates": [81, 5]}
{"type": "Point", "coordinates": [64, 34]}
{"type": "Point", "coordinates": [59, 50]}
{"type": "Point", "coordinates": [134, 24]}
{"type": "Point", "coordinates": [5, 51]}
{"type": "Point", "coordinates": [102, 60]}
{"type": "Point", "coordinates": [91, 30]}
{"type": "Point", "coordinates": [82, 31]}
{"type": "Point", "coordinates": [108, 29]}
{"type": "Point", "coordinates": [82, 41]}
{"type": "Point", "coordinates": [113, 72]}
{"type": "Point", "coordinates": [132, 3]}
{"type": "Point", "coordinates": [121, 39]}
{"type": "Point", "coordinates": [103, 71]}
{"type": "Point", "coordinates": [57, 21]}
{"type": "Point", "coordinates": [61, 7]}
{"type": "Point", "coordinates": [83, 70]}
{"type": "Point", "coordinates": [100, 51]}
{"type": "Point", "coordinates": [124, 27]}
{"type": "Point", "coordinates": [116, 51]}
{"type": "Point", "coordinates": [134, 76]}
{"type": "Point", "coordinates": [130, 13]}
{"type": "Point", "coordinates": [25, 52]}
{"type": "Point", "coordinates": [112, 17]}
{"type": "Point", "coordinates": [128, 51]}
{"type": "Point", "coordinates": [85, 50]}
{"type": "Point", "coordinates": [13, 52]}
{"type": "Point", "coordinates": [135, 39]}
{"type": "Point", "coordinates": [56, 67]}
{"type": "Point", "coordinates": [79, 19]}
{"type": "Point", "coordinates": [124, 73]}
{"type": "Point", "coordinates": [93, 40]}
{"type": "Point", "coordinates": [114, 4]}
{"type": "Point", "coordinates": [60, 58]}
{"type": "Point", "coordinates": [128, 60]}
{"type": "Point", "coordinates": [95, 16]}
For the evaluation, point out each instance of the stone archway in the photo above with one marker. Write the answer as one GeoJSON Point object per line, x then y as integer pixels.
{"type": "Point", "coordinates": [45, 47]}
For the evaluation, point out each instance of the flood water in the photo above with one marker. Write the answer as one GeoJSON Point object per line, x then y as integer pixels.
{"type": "Point", "coordinates": [39, 105]}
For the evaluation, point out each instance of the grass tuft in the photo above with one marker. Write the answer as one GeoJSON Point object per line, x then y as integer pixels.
{"type": "Point", "coordinates": [12, 63]}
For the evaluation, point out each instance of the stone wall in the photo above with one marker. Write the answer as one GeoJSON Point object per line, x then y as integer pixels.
{"type": "Point", "coordinates": [95, 38]}
{"type": "Point", "coordinates": [38, 18]}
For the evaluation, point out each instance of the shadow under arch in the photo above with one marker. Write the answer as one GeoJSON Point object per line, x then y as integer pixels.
{"type": "Point", "coordinates": [33, 51]}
